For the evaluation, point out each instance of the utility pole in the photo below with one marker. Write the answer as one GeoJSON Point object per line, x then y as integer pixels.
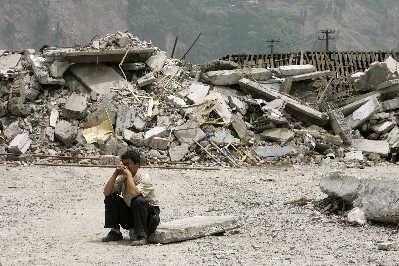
{"type": "Point", "coordinates": [327, 35]}
{"type": "Point", "coordinates": [272, 44]}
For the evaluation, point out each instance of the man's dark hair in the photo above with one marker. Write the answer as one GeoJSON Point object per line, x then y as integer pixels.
{"type": "Point", "coordinates": [132, 155]}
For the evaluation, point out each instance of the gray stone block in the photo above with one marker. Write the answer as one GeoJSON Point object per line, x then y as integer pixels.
{"type": "Point", "coordinates": [223, 77]}
{"type": "Point", "coordinates": [192, 228]}
{"type": "Point", "coordinates": [157, 61]}
{"type": "Point", "coordinates": [75, 107]}
{"type": "Point", "coordinates": [146, 80]}
{"type": "Point", "coordinates": [125, 117]}
{"type": "Point", "coordinates": [274, 151]}
{"type": "Point", "coordinates": [65, 132]}
{"type": "Point", "coordinates": [177, 153]}
{"type": "Point", "coordinates": [197, 92]}
{"type": "Point", "coordinates": [375, 146]}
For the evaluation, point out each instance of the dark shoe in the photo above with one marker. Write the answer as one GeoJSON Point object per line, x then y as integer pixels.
{"type": "Point", "coordinates": [112, 236]}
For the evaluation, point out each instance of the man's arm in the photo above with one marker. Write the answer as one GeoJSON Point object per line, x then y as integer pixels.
{"type": "Point", "coordinates": [109, 187]}
{"type": "Point", "coordinates": [131, 186]}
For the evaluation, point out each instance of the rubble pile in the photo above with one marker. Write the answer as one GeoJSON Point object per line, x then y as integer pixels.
{"type": "Point", "coordinates": [119, 92]}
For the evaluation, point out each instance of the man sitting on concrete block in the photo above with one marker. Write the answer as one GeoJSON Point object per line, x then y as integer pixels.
{"type": "Point", "coordinates": [137, 210]}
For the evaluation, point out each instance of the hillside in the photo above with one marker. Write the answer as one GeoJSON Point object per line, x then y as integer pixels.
{"type": "Point", "coordinates": [228, 26]}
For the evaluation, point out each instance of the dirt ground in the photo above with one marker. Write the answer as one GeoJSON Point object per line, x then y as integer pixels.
{"type": "Point", "coordinates": [54, 216]}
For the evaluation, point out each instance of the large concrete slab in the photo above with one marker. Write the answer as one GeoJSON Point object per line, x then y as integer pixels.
{"type": "Point", "coordinates": [375, 196]}
{"type": "Point", "coordinates": [9, 61]}
{"type": "Point", "coordinates": [301, 111]}
{"type": "Point", "coordinates": [358, 117]}
{"type": "Point", "coordinates": [294, 70]}
{"type": "Point", "coordinates": [192, 228]}
{"type": "Point", "coordinates": [374, 146]}
{"type": "Point", "coordinates": [98, 78]}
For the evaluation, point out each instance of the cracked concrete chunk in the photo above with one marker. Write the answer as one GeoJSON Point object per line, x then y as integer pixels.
{"type": "Point", "coordinates": [383, 127]}
{"type": "Point", "coordinates": [376, 146]}
{"type": "Point", "coordinates": [177, 153]}
{"type": "Point", "coordinates": [223, 77]}
{"type": "Point", "coordinates": [281, 135]}
{"type": "Point", "coordinates": [20, 144]}
{"type": "Point", "coordinates": [188, 133]}
{"type": "Point", "coordinates": [193, 227]}
{"type": "Point", "coordinates": [375, 196]}
{"type": "Point", "coordinates": [9, 61]}
{"type": "Point", "coordinates": [157, 61]}
{"type": "Point", "coordinates": [358, 117]}
{"type": "Point", "coordinates": [75, 107]}
{"type": "Point", "coordinates": [155, 132]}
{"type": "Point", "coordinates": [65, 132]}
{"type": "Point", "coordinates": [197, 92]}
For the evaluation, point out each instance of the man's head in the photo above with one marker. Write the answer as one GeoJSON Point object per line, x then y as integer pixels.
{"type": "Point", "coordinates": [131, 159]}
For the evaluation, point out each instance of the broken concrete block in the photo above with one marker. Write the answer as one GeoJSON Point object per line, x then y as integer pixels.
{"type": "Point", "coordinates": [139, 123]}
{"type": "Point", "coordinates": [358, 117]}
{"type": "Point", "coordinates": [188, 133]}
{"type": "Point", "coordinates": [240, 128]}
{"type": "Point", "coordinates": [376, 74]}
{"type": "Point", "coordinates": [302, 112]}
{"type": "Point", "coordinates": [158, 143]}
{"type": "Point", "coordinates": [237, 104]}
{"type": "Point", "coordinates": [98, 77]}
{"type": "Point", "coordinates": [294, 70]}
{"type": "Point", "coordinates": [357, 216]}
{"type": "Point", "coordinates": [393, 138]}
{"type": "Point", "coordinates": [197, 92]}
{"type": "Point", "coordinates": [221, 107]}
{"type": "Point", "coordinates": [9, 61]}
{"type": "Point", "coordinates": [75, 107]}
{"type": "Point", "coordinates": [376, 146]}
{"type": "Point", "coordinates": [65, 132]}
{"type": "Point", "coordinates": [192, 227]}
{"type": "Point", "coordinates": [376, 196]}
{"type": "Point", "coordinates": [58, 68]}
{"type": "Point", "coordinates": [136, 139]}
{"type": "Point", "coordinates": [223, 77]}
{"type": "Point", "coordinates": [392, 65]}
{"type": "Point", "coordinates": [114, 146]}
{"type": "Point", "coordinates": [219, 65]}
{"type": "Point", "coordinates": [274, 151]}
{"type": "Point", "coordinates": [125, 117]}
{"type": "Point", "coordinates": [20, 144]}
{"type": "Point", "coordinates": [155, 132]}
{"type": "Point", "coordinates": [390, 105]}
{"type": "Point", "coordinates": [157, 61]}
{"type": "Point", "coordinates": [354, 156]}
{"type": "Point", "coordinates": [177, 153]}
{"type": "Point", "coordinates": [259, 74]}
{"type": "Point", "coordinates": [163, 121]}
{"type": "Point", "coordinates": [312, 76]}
{"type": "Point", "coordinates": [40, 70]}
{"type": "Point", "coordinates": [281, 135]}
{"type": "Point", "coordinates": [176, 101]}
{"type": "Point", "coordinates": [383, 127]}
{"type": "Point", "coordinates": [146, 80]}
{"type": "Point", "coordinates": [223, 137]}
{"type": "Point", "coordinates": [172, 70]}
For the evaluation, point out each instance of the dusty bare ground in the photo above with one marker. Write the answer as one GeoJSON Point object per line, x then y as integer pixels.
{"type": "Point", "coordinates": [55, 216]}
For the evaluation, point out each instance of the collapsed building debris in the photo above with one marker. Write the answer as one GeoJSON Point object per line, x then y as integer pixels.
{"type": "Point", "coordinates": [119, 92]}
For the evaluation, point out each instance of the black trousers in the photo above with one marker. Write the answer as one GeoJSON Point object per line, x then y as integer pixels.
{"type": "Point", "coordinates": [141, 216]}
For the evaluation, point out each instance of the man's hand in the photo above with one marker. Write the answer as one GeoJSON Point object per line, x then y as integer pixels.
{"type": "Point", "coordinates": [119, 170]}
